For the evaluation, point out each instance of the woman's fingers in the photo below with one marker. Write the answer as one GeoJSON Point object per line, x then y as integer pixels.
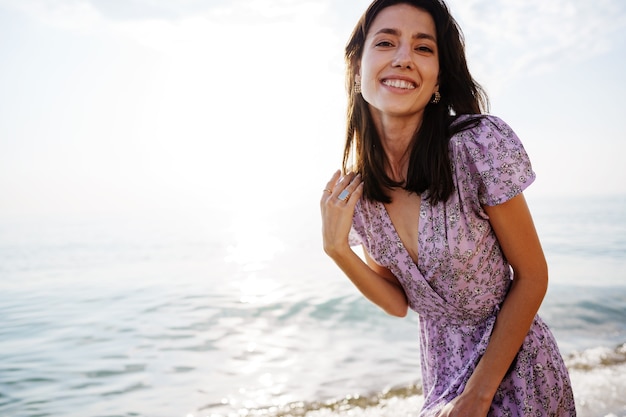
{"type": "Point", "coordinates": [341, 187]}
{"type": "Point", "coordinates": [351, 184]}
{"type": "Point", "coordinates": [330, 185]}
{"type": "Point", "coordinates": [337, 207]}
{"type": "Point", "coordinates": [357, 191]}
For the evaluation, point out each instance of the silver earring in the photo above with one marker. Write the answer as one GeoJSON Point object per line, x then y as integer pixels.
{"type": "Point", "coordinates": [436, 97]}
{"type": "Point", "coordinates": [357, 87]}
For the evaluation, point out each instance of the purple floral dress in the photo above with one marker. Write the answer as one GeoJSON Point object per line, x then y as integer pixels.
{"type": "Point", "coordinates": [462, 277]}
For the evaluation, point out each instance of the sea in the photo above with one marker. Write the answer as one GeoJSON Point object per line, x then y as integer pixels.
{"type": "Point", "coordinates": [238, 313]}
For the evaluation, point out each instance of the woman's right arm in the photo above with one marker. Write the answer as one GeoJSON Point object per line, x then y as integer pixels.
{"type": "Point", "coordinates": [375, 282]}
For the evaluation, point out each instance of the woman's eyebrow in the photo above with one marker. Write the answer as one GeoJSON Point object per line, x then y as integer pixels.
{"type": "Point", "coordinates": [425, 36]}
{"type": "Point", "coordinates": [396, 32]}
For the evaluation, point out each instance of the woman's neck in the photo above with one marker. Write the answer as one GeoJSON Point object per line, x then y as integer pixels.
{"type": "Point", "coordinates": [396, 135]}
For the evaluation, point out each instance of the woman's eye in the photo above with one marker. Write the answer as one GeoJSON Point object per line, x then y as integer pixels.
{"type": "Point", "coordinates": [384, 43]}
{"type": "Point", "coordinates": [424, 49]}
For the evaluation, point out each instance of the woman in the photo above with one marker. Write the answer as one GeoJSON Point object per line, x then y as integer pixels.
{"type": "Point", "coordinates": [432, 190]}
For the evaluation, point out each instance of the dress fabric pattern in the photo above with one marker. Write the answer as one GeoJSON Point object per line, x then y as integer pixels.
{"type": "Point", "coordinates": [462, 277]}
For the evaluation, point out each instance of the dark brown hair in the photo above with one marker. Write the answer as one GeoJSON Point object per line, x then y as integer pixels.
{"type": "Point", "coordinates": [429, 162]}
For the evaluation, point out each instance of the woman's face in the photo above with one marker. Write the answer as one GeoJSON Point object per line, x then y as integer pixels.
{"type": "Point", "coordinates": [399, 67]}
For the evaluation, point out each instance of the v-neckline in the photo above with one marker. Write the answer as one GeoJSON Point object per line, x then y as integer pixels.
{"type": "Point", "coordinates": [396, 235]}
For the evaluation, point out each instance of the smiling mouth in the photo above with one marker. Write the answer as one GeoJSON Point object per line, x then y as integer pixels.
{"type": "Point", "coordinates": [406, 85]}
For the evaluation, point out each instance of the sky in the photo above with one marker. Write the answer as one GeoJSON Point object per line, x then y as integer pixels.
{"type": "Point", "coordinates": [122, 105]}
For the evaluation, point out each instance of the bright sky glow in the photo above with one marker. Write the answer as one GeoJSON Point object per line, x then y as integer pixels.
{"type": "Point", "coordinates": [128, 105]}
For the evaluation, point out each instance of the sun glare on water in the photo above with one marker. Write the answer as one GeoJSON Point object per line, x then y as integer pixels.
{"type": "Point", "coordinates": [253, 248]}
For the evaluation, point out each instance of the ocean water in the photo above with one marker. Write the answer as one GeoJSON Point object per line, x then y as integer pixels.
{"type": "Point", "coordinates": [222, 313]}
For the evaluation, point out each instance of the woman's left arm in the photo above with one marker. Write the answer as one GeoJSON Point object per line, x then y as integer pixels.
{"type": "Point", "coordinates": [515, 230]}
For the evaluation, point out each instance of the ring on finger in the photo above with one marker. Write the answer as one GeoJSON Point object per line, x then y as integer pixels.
{"type": "Point", "coordinates": [328, 191]}
{"type": "Point", "coordinates": [344, 195]}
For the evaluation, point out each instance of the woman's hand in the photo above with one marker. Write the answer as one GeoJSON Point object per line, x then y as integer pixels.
{"type": "Point", "coordinates": [337, 206]}
{"type": "Point", "coordinates": [377, 284]}
{"type": "Point", "coordinates": [465, 405]}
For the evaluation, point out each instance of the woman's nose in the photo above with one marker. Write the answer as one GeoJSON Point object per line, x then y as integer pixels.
{"type": "Point", "coordinates": [403, 58]}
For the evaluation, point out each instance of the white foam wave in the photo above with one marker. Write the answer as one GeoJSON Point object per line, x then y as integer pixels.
{"type": "Point", "coordinates": [598, 378]}
{"type": "Point", "coordinates": [599, 381]}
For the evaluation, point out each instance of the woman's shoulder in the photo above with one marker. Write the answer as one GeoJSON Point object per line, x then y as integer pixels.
{"type": "Point", "coordinates": [481, 132]}
{"type": "Point", "coordinates": [468, 126]}
{"type": "Point", "coordinates": [489, 152]}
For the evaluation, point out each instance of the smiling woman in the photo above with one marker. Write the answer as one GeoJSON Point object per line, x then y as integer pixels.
{"type": "Point", "coordinates": [436, 203]}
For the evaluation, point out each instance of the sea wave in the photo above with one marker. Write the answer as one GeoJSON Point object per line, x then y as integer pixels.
{"type": "Point", "coordinates": [596, 358]}
{"type": "Point", "coordinates": [599, 381]}
{"type": "Point", "coordinates": [598, 378]}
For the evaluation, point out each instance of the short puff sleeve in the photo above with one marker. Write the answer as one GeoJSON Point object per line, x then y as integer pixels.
{"type": "Point", "coordinates": [490, 162]}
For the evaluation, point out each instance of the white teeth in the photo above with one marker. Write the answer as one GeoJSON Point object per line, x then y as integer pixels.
{"type": "Point", "coordinates": [399, 84]}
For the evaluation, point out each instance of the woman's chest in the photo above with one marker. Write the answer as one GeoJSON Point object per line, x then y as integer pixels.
{"type": "Point", "coordinates": [404, 213]}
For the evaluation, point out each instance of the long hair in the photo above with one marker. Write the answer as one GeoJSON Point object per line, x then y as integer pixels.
{"type": "Point", "coordinates": [429, 161]}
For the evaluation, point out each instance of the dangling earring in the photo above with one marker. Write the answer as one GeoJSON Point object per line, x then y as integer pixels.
{"type": "Point", "coordinates": [357, 87]}
{"type": "Point", "coordinates": [436, 97]}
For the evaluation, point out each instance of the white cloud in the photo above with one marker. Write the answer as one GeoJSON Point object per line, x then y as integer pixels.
{"type": "Point", "coordinates": [75, 16]}
{"type": "Point", "coordinates": [509, 39]}
{"type": "Point", "coordinates": [164, 25]}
